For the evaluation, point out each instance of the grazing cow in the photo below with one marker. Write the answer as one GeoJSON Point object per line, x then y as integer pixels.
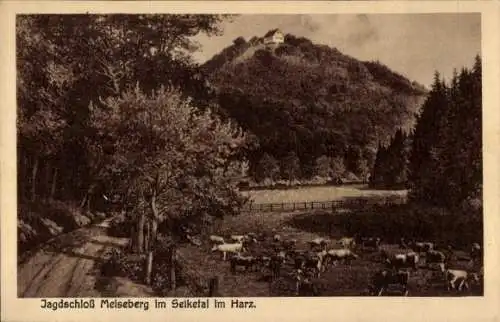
{"type": "Point", "coordinates": [382, 279]}
{"type": "Point", "coordinates": [228, 248]}
{"type": "Point", "coordinates": [421, 247]}
{"type": "Point", "coordinates": [323, 258]}
{"type": "Point", "coordinates": [238, 238]}
{"type": "Point", "coordinates": [457, 279]}
{"type": "Point", "coordinates": [398, 261]}
{"type": "Point", "coordinates": [289, 244]}
{"type": "Point", "coordinates": [263, 261]}
{"type": "Point", "coordinates": [249, 262]}
{"type": "Point", "coordinates": [347, 242]}
{"type": "Point", "coordinates": [277, 238]}
{"type": "Point", "coordinates": [336, 255]}
{"type": "Point", "coordinates": [282, 255]}
{"type": "Point", "coordinates": [402, 243]}
{"type": "Point", "coordinates": [371, 242]}
{"type": "Point", "coordinates": [318, 242]}
{"type": "Point", "coordinates": [305, 285]}
{"type": "Point", "coordinates": [476, 254]}
{"type": "Point", "coordinates": [309, 261]}
{"type": "Point", "coordinates": [253, 237]}
{"type": "Point", "coordinates": [435, 257]}
{"type": "Point", "coordinates": [217, 239]}
{"type": "Point", "coordinates": [275, 264]}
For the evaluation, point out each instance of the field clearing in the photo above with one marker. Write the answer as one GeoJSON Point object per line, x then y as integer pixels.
{"type": "Point", "coordinates": [325, 193]}
{"type": "Point", "coordinates": [342, 280]}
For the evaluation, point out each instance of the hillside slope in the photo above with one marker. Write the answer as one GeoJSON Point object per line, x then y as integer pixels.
{"type": "Point", "coordinates": [307, 102]}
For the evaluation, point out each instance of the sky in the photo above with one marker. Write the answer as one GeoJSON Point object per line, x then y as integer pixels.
{"type": "Point", "coordinates": [414, 45]}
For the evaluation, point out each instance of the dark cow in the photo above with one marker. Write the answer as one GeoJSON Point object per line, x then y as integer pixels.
{"type": "Point", "coordinates": [371, 242]}
{"type": "Point", "coordinates": [249, 262]}
{"type": "Point", "coordinates": [382, 279]}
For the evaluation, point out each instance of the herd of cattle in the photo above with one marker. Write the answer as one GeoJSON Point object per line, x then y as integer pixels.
{"type": "Point", "coordinates": [273, 253]}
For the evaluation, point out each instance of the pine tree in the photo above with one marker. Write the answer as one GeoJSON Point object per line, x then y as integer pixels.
{"type": "Point", "coordinates": [425, 150]}
{"type": "Point", "coordinates": [446, 159]}
{"type": "Point", "coordinates": [391, 163]}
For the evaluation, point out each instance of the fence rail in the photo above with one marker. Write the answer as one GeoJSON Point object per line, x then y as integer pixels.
{"type": "Point", "coordinates": [331, 204]}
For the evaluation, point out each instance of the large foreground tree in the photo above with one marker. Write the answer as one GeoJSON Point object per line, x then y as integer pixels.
{"type": "Point", "coordinates": [180, 159]}
{"type": "Point", "coordinates": [67, 61]}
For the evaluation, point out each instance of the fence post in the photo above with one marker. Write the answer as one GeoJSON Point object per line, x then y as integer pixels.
{"type": "Point", "coordinates": [271, 206]}
{"type": "Point", "coordinates": [293, 206]}
{"type": "Point", "coordinates": [213, 286]}
{"type": "Point", "coordinates": [305, 205]}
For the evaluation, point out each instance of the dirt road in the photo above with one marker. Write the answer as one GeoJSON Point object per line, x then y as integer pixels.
{"type": "Point", "coordinates": [66, 266]}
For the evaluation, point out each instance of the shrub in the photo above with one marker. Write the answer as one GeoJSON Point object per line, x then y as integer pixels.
{"type": "Point", "coordinates": [123, 265]}
{"type": "Point", "coordinates": [120, 226]}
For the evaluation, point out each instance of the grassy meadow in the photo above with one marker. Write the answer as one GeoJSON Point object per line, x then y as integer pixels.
{"type": "Point", "coordinates": [318, 193]}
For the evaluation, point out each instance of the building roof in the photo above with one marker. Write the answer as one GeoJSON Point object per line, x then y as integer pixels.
{"type": "Point", "coordinates": [271, 32]}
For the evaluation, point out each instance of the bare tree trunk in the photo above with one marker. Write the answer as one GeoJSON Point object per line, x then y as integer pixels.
{"type": "Point", "coordinates": [173, 284]}
{"type": "Point", "coordinates": [149, 248]}
{"type": "Point", "coordinates": [89, 200]}
{"type": "Point", "coordinates": [46, 183]}
{"type": "Point", "coordinates": [147, 235]}
{"type": "Point", "coordinates": [149, 267]}
{"type": "Point", "coordinates": [54, 182]}
{"type": "Point", "coordinates": [33, 179]}
{"type": "Point", "coordinates": [152, 236]}
{"type": "Point", "coordinates": [84, 201]}
{"type": "Point", "coordinates": [140, 233]}
{"type": "Point", "coordinates": [133, 234]}
{"type": "Point", "coordinates": [87, 197]}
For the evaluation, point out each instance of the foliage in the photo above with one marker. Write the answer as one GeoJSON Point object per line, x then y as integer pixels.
{"type": "Point", "coordinates": [328, 167]}
{"type": "Point", "coordinates": [123, 265]}
{"type": "Point", "coordinates": [290, 167]}
{"type": "Point", "coordinates": [391, 164]}
{"type": "Point", "coordinates": [267, 167]}
{"type": "Point", "coordinates": [170, 149]}
{"type": "Point", "coordinates": [55, 70]}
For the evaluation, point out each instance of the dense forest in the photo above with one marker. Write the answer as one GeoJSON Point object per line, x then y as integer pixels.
{"type": "Point", "coordinates": [112, 107]}
{"type": "Point", "coordinates": [440, 160]}
{"type": "Point", "coordinates": [313, 110]}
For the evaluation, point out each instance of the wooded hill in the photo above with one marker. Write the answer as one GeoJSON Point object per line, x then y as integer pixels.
{"type": "Point", "coordinates": [313, 110]}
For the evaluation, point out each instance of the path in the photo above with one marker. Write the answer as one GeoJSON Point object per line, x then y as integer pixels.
{"type": "Point", "coordinates": [66, 266]}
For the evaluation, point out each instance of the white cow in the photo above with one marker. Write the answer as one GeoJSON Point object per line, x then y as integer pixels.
{"type": "Point", "coordinates": [458, 279]}
{"type": "Point", "coordinates": [217, 239]}
{"type": "Point", "coordinates": [228, 248]}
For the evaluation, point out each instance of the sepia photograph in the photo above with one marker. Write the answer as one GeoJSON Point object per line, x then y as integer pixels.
{"type": "Point", "coordinates": [249, 155]}
{"type": "Point", "coordinates": [183, 155]}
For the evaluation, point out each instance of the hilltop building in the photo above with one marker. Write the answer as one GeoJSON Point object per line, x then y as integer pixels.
{"type": "Point", "coordinates": [274, 37]}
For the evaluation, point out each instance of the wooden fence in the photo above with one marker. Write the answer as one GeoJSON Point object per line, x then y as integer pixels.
{"type": "Point", "coordinates": [332, 204]}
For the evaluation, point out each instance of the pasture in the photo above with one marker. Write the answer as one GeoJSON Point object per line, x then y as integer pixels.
{"type": "Point", "coordinates": [341, 280]}
{"type": "Point", "coordinates": [318, 193]}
